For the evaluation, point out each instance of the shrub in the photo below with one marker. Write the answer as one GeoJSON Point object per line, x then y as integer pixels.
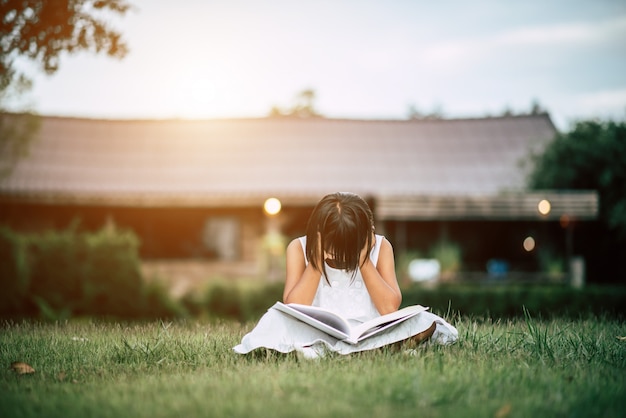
{"type": "Point", "coordinates": [508, 300]}
{"type": "Point", "coordinates": [449, 256]}
{"type": "Point", "coordinates": [13, 273]}
{"type": "Point", "coordinates": [57, 274]}
{"type": "Point", "coordinates": [112, 279]}
{"type": "Point", "coordinates": [224, 300]}
{"type": "Point", "coordinates": [56, 271]}
{"type": "Point", "coordinates": [241, 299]}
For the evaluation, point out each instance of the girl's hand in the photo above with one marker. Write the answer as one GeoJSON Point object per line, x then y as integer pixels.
{"type": "Point", "coordinates": [381, 281]}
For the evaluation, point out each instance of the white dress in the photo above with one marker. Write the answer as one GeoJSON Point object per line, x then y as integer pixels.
{"type": "Point", "coordinates": [347, 295]}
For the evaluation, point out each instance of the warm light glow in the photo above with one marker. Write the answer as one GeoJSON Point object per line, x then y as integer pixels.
{"type": "Point", "coordinates": [272, 206]}
{"type": "Point", "coordinates": [529, 244]}
{"type": "Point", "coordinates": [544, 207]}
{"type": "Point", "coordinates": [564, 221]}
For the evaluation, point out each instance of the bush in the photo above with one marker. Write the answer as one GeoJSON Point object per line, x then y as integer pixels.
{"type": "Point", "coordinates": [449, 256]}
{"type": "Point", "coordinates": [241, 300]}
{"type": "Point", "coordinates": [57, 268]}
{"type": "Point", "coordinates": [508, 300]}
{"type": "Point", "coordinates": [247, 301]}
{"type": "Point", "coordinates": [13, 273]}
{"type": "Point", "coordinates": [57, 274]}
{"type": "Point", "coordinates": [112, 279]}
{"type": "Point", "coordinates": [224, 300]}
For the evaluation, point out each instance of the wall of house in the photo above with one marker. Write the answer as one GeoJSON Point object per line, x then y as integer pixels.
{"type": "Point", "coordinates": [164, 232]}
{"type": "Point", "coordinates": [208, 233]}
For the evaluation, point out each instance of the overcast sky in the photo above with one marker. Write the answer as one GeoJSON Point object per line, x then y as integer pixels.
{"type": "Point", "coordinates": [364, 59]}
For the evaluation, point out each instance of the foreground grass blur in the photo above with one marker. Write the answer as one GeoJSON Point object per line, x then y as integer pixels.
{"type": "Point", "coordinates": [522, 367]}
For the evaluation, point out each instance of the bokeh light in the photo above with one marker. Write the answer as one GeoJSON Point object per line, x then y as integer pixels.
{"type": "Point", "coordinates": [544, 207]}
{"type": "Point", "coordinates": [529, 244]}
{"type": "Point", "coordinates": [272, 206]}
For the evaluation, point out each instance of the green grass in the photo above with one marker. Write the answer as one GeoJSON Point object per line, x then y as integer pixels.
{"type": "Point", "coordinates": [519, 368]}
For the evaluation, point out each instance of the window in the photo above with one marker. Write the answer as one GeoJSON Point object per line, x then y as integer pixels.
{"type": "Point", "coordinates": [221, 238]}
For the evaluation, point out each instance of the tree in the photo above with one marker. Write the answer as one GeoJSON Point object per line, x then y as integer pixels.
{"type": "Point", "coordinates": [41, 31]}
{"type": "Point", "coordinates": [591, 156]}
{"type": "Point", "coordinates": [415, 114]}
{"type": "Point", "coordinates": [302, 108]}
{"type": "Point", "coordinates": [536, 108]}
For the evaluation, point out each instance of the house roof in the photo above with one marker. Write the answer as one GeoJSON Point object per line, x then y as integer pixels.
{"type": "Point", "coordinates": [244, 161]}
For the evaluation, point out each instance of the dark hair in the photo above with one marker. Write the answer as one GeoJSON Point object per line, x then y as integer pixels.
{"type": "Point", "coordinates": [341, 225]}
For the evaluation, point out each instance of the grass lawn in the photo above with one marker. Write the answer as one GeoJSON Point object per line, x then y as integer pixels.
{"type": "Point", "coordinates": [519, 368]}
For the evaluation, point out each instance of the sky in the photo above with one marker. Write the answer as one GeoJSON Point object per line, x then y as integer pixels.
{"type": "Point", "coordinates": [364, 59]}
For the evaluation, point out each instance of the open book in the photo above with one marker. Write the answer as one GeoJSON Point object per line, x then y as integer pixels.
{"type": "Point", "coordinates": [343, 329]}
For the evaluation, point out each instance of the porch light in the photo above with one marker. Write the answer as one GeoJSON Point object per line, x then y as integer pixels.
{"type": "Point", "coordinates": [272, 206]}
{"type": "Point", "coordinates": [544, 207]}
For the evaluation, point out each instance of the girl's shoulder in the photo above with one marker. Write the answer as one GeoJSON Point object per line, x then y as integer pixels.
{"type": "Point", "coordinates": [381, 241]}
{"type": "Point", "coordinates": [297, 248]}
{"type": "Point", "coordinates": [386, 245]}
{"type": "Point", "coordinates": [298, 242]}
{"type": "Point", "coordinates": [384, 241]}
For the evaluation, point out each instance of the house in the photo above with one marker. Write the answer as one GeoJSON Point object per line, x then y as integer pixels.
{"type": "Point", "coordinates": [196, 189]}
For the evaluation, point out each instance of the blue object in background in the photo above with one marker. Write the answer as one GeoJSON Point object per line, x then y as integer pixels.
{"type": "Point", "coordinates": [497, 268]}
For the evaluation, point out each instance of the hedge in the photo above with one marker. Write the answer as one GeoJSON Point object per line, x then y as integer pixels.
{"type": "Point", "coordinates": [509, 300]}
{"type": "Point", "coordinates": [235, 300]}
{"type": "Point", "coordinates": [58, 274]}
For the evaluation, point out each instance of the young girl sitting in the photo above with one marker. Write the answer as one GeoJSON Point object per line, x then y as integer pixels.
{"type": "Point", "coordinates": [343, 266]}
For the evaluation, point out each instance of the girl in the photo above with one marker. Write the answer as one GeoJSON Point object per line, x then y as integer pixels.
{"type": "Point", "coordinates": [341, 265]}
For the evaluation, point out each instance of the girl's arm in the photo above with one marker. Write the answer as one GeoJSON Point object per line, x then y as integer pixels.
{"type": "Point", "coordinates": [302, 279]}
{"type": "Point", "coordinates": [381, 281]}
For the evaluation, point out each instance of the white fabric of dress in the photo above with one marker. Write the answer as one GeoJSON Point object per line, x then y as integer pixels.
{"type": "Point", "coordinates": [346, 294]}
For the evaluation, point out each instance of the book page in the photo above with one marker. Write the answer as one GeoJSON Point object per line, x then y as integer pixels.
{"type": "Point", "coordinates": [336, 326]}
{"type": "Point", "coordinates": [320, 318]}
{"type": "Point", "coordinates": [378, 324]}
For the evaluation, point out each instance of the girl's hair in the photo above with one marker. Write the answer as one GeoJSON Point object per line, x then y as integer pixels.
{"type": "Point", "coordinates": [341, 225]}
